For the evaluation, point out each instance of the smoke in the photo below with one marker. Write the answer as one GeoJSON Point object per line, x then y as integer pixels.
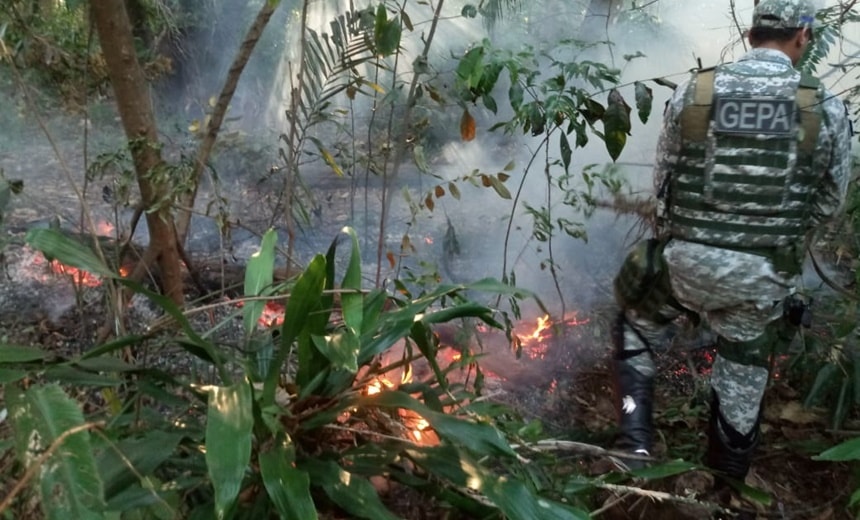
{"type": "Point", "coordinates": [660, 40]}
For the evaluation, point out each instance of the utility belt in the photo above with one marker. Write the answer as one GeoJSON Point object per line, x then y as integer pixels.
{"type": "Point", "coordinates": [785, 259]}
{"type": "Point", "coordinates": [643, 282]}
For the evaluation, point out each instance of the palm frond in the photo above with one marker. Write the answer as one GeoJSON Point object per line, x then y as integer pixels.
{"type": "Point", "coordinates": [332, 61]}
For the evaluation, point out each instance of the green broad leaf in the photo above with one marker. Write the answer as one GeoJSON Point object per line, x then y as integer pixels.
{"type": "Point", "coordinates": [492, 285]}
{"type": "Point", "coordinates": [68, 481]}
{"type": "Point", "coordinates": [754, 494]}
{"type": "Point", "coordinates": [228, 441]}
{"type": "Point", "coordinates": [8, 376]}
{"type": "Point", "coordinates": [407, 22]}
{"type": "Point", "coordinates": [69, 374]}
{"type": "Point", "coordinates": [856, 379]}
{"type": "Point", "coordinates": [105, 364]}
{"type": "Point", "coordinates": [644, 100]}
{"type": "Point", "coordinates": [848, 450]}
{"type": "Point", "coordinates": [151, 501]}
{"type": "Point", "coordinates": [566, 151]}
{"type": "Point", "coordinates": [616, 124]}
{"type": "Point", "coordinates": [55, 245]}
{"type": "Point", "coordinates": [259, 275]}
{"type": "Point", "coordinates": [306, 296]}
{"type": "Point", "coordinates": [842, 404]}
{"type": "Point", "coordinates": [354, 493]}
{"type": "Point", "coordinates": [471, 67]}
{"type": "Point", "coordinates": [855, 499]}
{"type": "Point", "coordinates": [826, 375]}
{"type": "Point", "coordinates": [592, 111]}
{"type": "Point", "coordinates": [121, 465]}
{"type": "Point", "coordinates": [516, 94]}
{"type": "Point", "coordinates": [490, 102]}
{"type": "Point", "coordinates": [469, 11]}
{"type": "Point", "coordinates": [578, 483]}
{"type": "Point", "coordinates": [448, 463]}
{"type": "Point", "coordinates": [386, 33]}
{"type": "Point", "coordinates": [288, 487]}
{"type": "Point", "coordinates": [352, 300]}
{"type": "Point", "coordinates": [536, 122]}
{"type": "Point", "coordinates": [20, 354]}
{"type": "Point", "coordinates": [112, 346]}
{"type": "Point", "coordinates": [515, 500]}
{"type": "Point", "coordinates": [668, 469]}
{"type": "Point", "coordinates": [489, 78]}
{"type": "Point", "coordinates": [512, 497]}
{"type": "Point", "coordinates": [462, 310]}
{"type": "Point", "coordinates": [340, 349]}
{"type": "Point", "coordinates": [481, 438]}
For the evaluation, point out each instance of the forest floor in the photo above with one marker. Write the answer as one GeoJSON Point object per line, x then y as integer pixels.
{"type": "Point", "coordinates": [564, 381]}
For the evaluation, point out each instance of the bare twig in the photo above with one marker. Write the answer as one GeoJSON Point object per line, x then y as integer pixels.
{"type": "Point", "coordinates": [35, 466]}
{"type": "Point", "coordinates": [220, 110]}
{"type": "Point", "coordinates": [738, 24]}
{"type": "Point", "coordinates": [659, 496]}
{"type": "Point", "coordinates": [400, 144]}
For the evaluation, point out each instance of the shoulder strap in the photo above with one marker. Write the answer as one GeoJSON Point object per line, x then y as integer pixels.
{"type": "Point", "coordinates": [809, 103]}
{"type": "Point", "coordinates": [696, 117]}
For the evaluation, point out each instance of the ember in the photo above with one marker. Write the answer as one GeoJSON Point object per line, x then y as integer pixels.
{"type": "Point", "coordinates": [105, 228]}
{"type": "Point", "coordinates": [79, 277]}
{"type": "Point", "coordinates": [273, 314]}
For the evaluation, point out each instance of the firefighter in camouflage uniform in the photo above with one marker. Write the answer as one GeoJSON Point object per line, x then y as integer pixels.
{"type": "Point", "coordinates": [753, 156]}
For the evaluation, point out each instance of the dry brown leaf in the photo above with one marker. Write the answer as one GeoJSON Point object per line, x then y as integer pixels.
{"type": "Point", "coordinates": [467, 126]}
{"type": "Point", "coordinates": [795, 412]}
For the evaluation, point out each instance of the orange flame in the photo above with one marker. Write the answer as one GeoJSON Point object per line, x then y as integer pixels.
{"type": "Point", "coordinates": [79, 277]}
{"type": "Point", "coordinates": [376, 386]}
{"type": "Point", "coordinates": [273, 314]}
{"type": "Point", "coordinates": [535, 344]}
{"type": "Point", "coordinates": [105, 228]}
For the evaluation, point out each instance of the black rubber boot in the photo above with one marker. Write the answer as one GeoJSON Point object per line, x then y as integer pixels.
{"type": "Point", "coordinates": [634, 396]}
{"type": "Point", "coordinates": [729, 452]}
{"type": "Point", "coordinates": [634, 399]}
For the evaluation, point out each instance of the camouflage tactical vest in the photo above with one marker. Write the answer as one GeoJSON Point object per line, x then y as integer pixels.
{"type": "Point", "coordinates": [744, 179]}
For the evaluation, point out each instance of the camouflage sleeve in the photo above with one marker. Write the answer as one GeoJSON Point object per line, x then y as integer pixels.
{"type": "Point", "coordinates": [834, 162]}
{"type": "Point", "coordinates": [669, 142]}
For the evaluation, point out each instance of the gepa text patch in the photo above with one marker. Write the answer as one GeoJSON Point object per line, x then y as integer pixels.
{"type": "Point", "coordinates": [754, 116]}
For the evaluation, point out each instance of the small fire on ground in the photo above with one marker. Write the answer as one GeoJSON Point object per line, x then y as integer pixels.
{"type": "Point", "coordinates": [43, 270]}
{"type": "Point", "coordinates": [536, 340]}
{"type": "Point", "coordinates": [537, 343]}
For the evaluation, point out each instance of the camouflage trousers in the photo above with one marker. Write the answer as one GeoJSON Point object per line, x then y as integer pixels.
{"type": "Point", "coordinates": [710, 285]}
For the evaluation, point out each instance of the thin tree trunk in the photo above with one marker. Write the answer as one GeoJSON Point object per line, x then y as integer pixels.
{"type": "Point", "coordinates": [138, 119]}
{"type": "Point", "coordinates": [186, 201]}
{"type": "Point", "coordinates": [599, 16]}
{"type": "Point", "coordinates": [400, 146]}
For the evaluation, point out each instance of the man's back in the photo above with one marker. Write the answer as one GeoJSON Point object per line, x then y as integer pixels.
{"type": "Point", "coordinates": [699, 274]}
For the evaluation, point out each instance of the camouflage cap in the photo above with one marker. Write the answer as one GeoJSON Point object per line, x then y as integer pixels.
{"type": "Point", "coordinates": [784, 14]}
